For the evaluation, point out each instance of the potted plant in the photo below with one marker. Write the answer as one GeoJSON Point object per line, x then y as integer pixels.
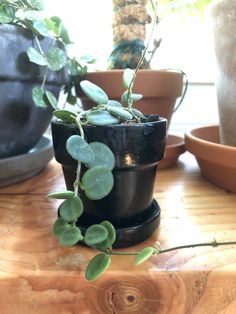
{"type": "Point", "coordinates": [34, 66]}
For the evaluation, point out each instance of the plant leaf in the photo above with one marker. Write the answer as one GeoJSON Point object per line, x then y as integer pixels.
{"type": "Point", "coordinates": [94, 92]}
{"type": "Point", "coordinates": [97, 182]}
{"type": "Point", "coordinates": [97, 266]}
{"type": "Point", "coordinates": [137, 113]}
{"type": "Point", "coordinates": [79, 149]}
{"type": "Point", "coordinates": [120, 112]}
{"type": "Point", "coordinates": [51, 99]}
{"type": "Point", "coordinates": [41, 27]}
{"type": "Point", "coordinates": [56, 59]}
{"type": "Point", "coordinates": [65, 115]}
{"type": "Point", "coordinates": [36, 4]}
{"type": "Point", "coordinates": [61, 195]}
{"type": "Point", "coordinates": [111, 231]}
{"type": "Point", "coordinates": [144, 255]}
{"type": "Point", "coordinates": [70, 236]}
{"type": "Point", "coordinates": [35, 57]}
{"type": "Point", "coordinates": [128, 77]}
{"type": "Point", "coordinates": [38, 97]}
{"type": "Point", "coordinates": [95, 234]}
{"type": "Point", "coordinates": [59, 227]}
{"type": "Point", "coordinates": [103, 156]}
{"type": "Point", "coordinates": [114, 103]}
{"type": "Point", "coordinates": [101, 117]}
{"type": "Point", "coordinates": [71, 209]}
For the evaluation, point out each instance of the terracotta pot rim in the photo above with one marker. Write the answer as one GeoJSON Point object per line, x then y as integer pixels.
{"type": "Point", "coordinates": [209, 150]}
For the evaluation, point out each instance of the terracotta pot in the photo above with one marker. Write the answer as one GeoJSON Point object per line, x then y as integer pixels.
{"type": "Point", "coordinates": [216, 161]}
{"type": "Point", "coordinates": [160, 89]}
{"type": "Point", "coordinates": [224, 24]}
{"type": "Point", "coordinates": [130, 206]}
{"type": "Point", "coordinates": [21, 122]}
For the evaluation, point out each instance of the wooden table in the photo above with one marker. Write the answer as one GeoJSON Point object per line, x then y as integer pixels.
{"type": "Point", "coordinates": [37, 275]}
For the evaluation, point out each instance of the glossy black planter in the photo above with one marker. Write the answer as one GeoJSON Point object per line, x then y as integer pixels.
{"type": "Point", "coordinates": [21, 122]}
{"type": "Point", "coordinates": [130, 205]}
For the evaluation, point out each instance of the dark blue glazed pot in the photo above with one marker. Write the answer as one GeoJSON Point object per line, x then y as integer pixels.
{"type": "Point", "coordinates": [21, 122]}
{"type": "Point", "coordinates": [137, 148]}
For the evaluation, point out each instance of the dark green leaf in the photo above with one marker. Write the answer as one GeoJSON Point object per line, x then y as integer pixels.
{"type": "Point", "coordinates": [103, 156]}
{"type": "Point", "coordinates": [71, 209]}
{"type": "Point", "coordinates": [65, 115]}
{"type": "Point", "coordinates": [79, 149]}
{"type": "Point", "coordinates": [95, 234]}
{"type": "Point", "coordinates": [59, 227]}
{"type": "Point", "coordinates": [101, 117]}
{"type": "Point", "coordinates": [128, 77]}
{"type": "Point", "coordinates": [70, 236]}
{"type": "Point", "coordinates": [51, 99]}
{"type": "Point", "coordinates": [94, 92]}
{"type": "Point", "coordinates": [144, 255]}
{"type": "Point", "coordinates": [61, 195]}
{"type": "Point", "coordinates": [111, 231]}
{"type": "Point", "coordinates": [97, 182]}
{"type": "Point", "coordinates": [38, 96]}
{"type": "Point", "coordinates": [120, 112]}
{"type": "Point", "coordinates": [35, 57]}
{"type": "Point", "coordinates": [97, 266]}
{"type": "Point", "coordinates": [56, 59]}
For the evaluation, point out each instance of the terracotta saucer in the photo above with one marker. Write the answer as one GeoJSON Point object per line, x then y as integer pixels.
{"type": "Point", "coordinates": [174, 148]}
{"type": "Point", "coordinates": [216, 161]}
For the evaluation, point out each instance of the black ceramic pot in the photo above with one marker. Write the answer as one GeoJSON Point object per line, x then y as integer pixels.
{"type": "Point", "coordinates": [21, 122]}
{"type": "Point", "coordinates": [130, 205]}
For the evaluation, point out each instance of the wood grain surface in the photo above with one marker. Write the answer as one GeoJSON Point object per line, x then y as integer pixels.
{"type": "Point", "coordinates": [39, 276]}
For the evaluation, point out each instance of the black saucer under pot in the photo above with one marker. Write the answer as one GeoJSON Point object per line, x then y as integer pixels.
{"type": "Point", "coordinates": [130, 206]}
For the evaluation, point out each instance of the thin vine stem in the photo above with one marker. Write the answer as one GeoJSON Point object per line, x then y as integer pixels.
{"type": "Point", "coordinates": [142, 57]}
{"type": "Point", "coordinates": [213, 243]}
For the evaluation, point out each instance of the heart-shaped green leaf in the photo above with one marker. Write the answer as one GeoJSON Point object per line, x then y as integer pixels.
{"type": "Point", "coordinates": [65, 115]}
{"type": "Point", "coordinates": [56, 59]}
{"type": "Point", "coordinates": [101, 117]}
{"type": "Point", "coordinates": [61, 195]}
{"type": "Point", "coordinates": [35, 57]}
{"type": "Point", "coordinates": [97, 266]}
{"type": "Point", "coordinates": [97, 182]}
{"type": "Point", "coordinates": [128, 76]}
{"type": "Point", "coordinates": [79, 149]}
{"type": "Point", "coordinates": [103, 156]}
{"type": "Point", "coordinates": [95, 234]}
{"type": "Point", "coordinates": [70, 236]}
{"type": "Point", "coordinates": [71, 209]}
{"type": "Point", "coordinates": [94, 92]}
{"type": "Point", "coordinates": [144, 255]}
{"type": "Point", "coordinates": [59, 227]}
